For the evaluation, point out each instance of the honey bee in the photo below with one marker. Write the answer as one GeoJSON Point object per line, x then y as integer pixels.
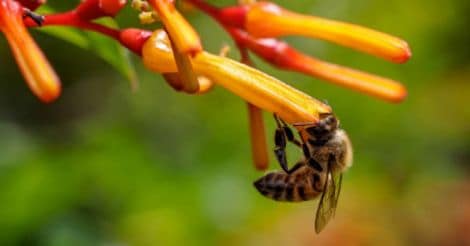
{"type": "Point", "coordinates": [327, 154]}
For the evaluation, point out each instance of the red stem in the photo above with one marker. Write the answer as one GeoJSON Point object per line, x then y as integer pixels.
{"type": "Point", "coordinates": [230, 18]}
{"type": "Point", "coordinates": [72, 19]}
{"type": "Point", "coordinates": [244, 55]}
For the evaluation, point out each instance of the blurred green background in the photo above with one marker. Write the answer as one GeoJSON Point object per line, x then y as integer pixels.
{"type": "Point", "coordinates": [106, 166]}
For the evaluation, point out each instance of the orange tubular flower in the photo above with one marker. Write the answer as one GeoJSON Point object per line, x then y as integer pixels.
{"type": "Point", "coordinates": [186, 74]}
{"type": "Point", "coordinates": [181, 32]}
{"type": "Point", "coordinates": [185, 40]}
{"type": "Point", "coordinates": [39, 75]}
{"type": "Point", "coordinates": [284, 56]}
{"type": "Point", "coordinates": [373, 85]}
{"type": "Point", "coordinates": [176, 82]}
{"type": "Point", "coordinates": [259, 146]}
{"type": "Point", "coordinates": [269, 20]}
{"type": "Point", "coordinates": [250, 84]}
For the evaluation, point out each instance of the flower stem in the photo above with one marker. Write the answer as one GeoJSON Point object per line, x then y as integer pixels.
{"type": "Point", "coordinates": [72, 19]}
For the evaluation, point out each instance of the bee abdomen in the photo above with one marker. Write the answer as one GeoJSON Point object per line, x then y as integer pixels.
{"type": "Point", "coordinates": [280, 186]}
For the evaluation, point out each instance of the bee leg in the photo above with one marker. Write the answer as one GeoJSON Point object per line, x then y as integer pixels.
{"type": "Point", "coordinates": [282, 135]}
{"type": "Point", "coordinates": [310, 161]}
{"type": "Point", "coordinates": [315, 165]}
{"type": "Point", "coordinates": [296, 166]}
{"type": "Point", "coordinates": [306, 151]}
{"type": "Point", "coordinates": [290, 136]}
{"type": "Point", "coordinates": [280, 149]}
{"type": "Point", "coordinates": [38, 19]}
{"type": "Point", "coordinates": [287, 131]}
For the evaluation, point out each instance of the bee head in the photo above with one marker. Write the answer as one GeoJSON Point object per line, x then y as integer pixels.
{"type": "Point", "coordinates": [323, 131]}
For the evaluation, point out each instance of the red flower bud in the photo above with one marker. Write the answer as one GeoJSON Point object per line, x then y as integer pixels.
{"type": "Point", "coordinates": [134, 39]}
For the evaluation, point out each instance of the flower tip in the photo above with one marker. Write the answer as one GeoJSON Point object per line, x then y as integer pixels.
{"type": "Point", "coordinates": [405, 55]}
{"type": "Point", "coordinates": [401, 93]}
{"type": "Point", "coordinates": [181, 33]}
{"type": "Point", "coordinates": [52, 94]}
{"type": "Point", "coordinates": [43, 81]}
{"type": "Point", "coordinates": [134, 39]}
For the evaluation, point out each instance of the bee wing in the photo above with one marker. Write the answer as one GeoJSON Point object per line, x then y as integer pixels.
{"type": "Point", "coordinates": [328, 201]}
{"type": "Point", "coordinates": [338, 181]}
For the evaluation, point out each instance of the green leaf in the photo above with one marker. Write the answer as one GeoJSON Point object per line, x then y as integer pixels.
{"type": "Point", "coordinates": [106, 48]}
{"type": "Point", "coordinates": [67, 34]}
{"type": "Point", "coordinates": [113, 53]}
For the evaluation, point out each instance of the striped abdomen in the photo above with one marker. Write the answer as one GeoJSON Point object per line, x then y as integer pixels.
{"type": "Point", "coordinates": [303, 184]}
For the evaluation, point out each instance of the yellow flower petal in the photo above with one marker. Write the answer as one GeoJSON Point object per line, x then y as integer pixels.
{"type": "Point", "coordinates": [250, 84]}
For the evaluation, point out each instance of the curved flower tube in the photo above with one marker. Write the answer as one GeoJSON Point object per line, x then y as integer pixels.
{"type": "Point", "coordinates": [37, 71]}
{"type": "Point", "coordinates": [284, 56]}
{"type": "Point", "coordinates": [250, 84]}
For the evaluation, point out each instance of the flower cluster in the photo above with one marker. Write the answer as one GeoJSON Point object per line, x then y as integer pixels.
{"type": "Point", "coordinates": [176, 52]}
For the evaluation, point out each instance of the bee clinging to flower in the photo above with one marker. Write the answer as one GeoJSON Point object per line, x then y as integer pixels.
{"type": "Point", "coordinates": [327, 153]}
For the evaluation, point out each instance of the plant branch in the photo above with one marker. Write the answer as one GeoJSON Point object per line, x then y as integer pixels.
{"type": "Point", "coordinates": [72, 19]}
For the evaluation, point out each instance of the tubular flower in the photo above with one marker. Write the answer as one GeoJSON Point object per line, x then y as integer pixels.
{"type": "Point", "coordinates": [284, 56]}
{"type": "Point", "coordinates": [259, 147]}
{"type": "Point", "coordinates": [252, 85]}
{"type": "Point", "coordinates": [256, 26]}
{"type": "Point", "coordinates": [181, 32]}
{"type": "Point", "coordinates": [265, 19]}
{"type": "Point", "coordinates": [177, 53]}
{"type": "Point", "coordinates": [184, 39]}
{"type": "Point", "coordinates": [37, 71]}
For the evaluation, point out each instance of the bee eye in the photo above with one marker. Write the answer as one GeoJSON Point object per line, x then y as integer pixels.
{"type": "Point", "coordinates": [317, 131]}
{"type": "Point", "coordinates": [330, 119]}
{"type": "Point", "coordinates": [331, 123]}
